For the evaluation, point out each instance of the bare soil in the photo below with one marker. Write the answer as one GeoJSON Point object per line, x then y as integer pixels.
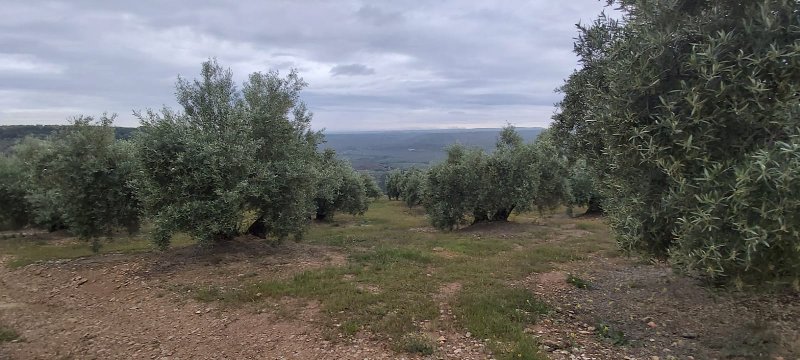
{"type": "Point", "coordinates": [130, 306]}
{"type": "Point", "coordinates": [634, 310]}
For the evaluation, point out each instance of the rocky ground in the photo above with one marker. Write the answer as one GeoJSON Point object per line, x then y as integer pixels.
{"type": "Point", "coordinates": [626, 310]}
{"type": "Point", "coordinates": [136, 306]}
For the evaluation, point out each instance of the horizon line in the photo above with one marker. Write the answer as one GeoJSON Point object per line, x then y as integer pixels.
{"type": "Point", "coordinates": [326, 130]}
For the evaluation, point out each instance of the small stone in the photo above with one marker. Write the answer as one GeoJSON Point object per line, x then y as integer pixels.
{"type": "Point", "coordinates": [441, 339]}
{"type": "Point", "coordinates": [689, 335]}
{"type": "Point", "coordinates": [553, 344]}
{"type": "Point", "coordinates": [652, 325]}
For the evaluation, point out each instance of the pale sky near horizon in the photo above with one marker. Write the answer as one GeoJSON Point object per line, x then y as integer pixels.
{"type": "Point", "coordinates": [370, 65]}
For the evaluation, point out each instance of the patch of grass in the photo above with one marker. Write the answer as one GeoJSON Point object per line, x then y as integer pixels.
{"type": "Point", "coordinates": [346, 240]}
{"type": "Point", "coordinates": [392, 281]}
{"type": "Point", "coordinates": [389, 256]}
{"type": "Point", "coordinates": [402, 302]}
{"type": "Point", "coordinates": [30, 250]}
{"type": "Point", "coordinates": [578, 282]}
{"type": "Point", "coordinates": [525, 348]}
{"type": "Point", "coordinates": [588, 225]}
{"type": "Point", "coordinates": [611, 334]}
{"type": "Point", "coordinates": [309, 284]}
{"type": "Point", "coordinates": [415, 344]}
{"type": "Point", "coordinates": [7, 334]}
{"type": "Point", "coordinates": [539, 258]}
{"type": "Point", "coordinates": [472, 246]}
{"type": "Point", "coordinates": [207, 294]}
{"type": "Point", "coordinates": [350, 328]}
{"type": "Point", "coordinates": [508, 265]}
{"type": "Point", "coordinates": [500, 313]}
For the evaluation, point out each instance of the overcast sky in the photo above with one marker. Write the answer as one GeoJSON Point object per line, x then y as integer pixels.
{"type": "Point", "coordinates": [370, 64]}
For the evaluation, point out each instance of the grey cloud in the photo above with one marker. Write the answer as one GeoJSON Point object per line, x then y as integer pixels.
{"type": "Point", "coordinates": [352, 69]}
{"type": "Point", "coordinates": [378, 16]}
{"type": "Point", "coordinates": [430, 63]}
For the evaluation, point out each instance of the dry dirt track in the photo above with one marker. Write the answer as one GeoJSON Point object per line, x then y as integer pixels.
{"type": "Point", "coordinates": [126, 306]}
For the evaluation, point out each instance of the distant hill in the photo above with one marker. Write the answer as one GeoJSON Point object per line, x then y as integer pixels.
{"type": "Point", "coordinates": [377, 151]}
{"type": "Point", "coordinates": [385, 150]}
{"type": "Point", "coordinates": [12, 134]}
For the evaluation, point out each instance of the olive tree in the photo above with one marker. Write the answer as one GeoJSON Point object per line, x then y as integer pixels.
{"type": "Point", "coordinates": [340, 188]}
{"type": "Point", "coordinates": [81, 177]}
{"type": "Point", "coordinates": [373, 191]}
{"type": "Point", "coordinates": [228, 154]}
{"type": "Point", "coordinates": [551, 186]}
{"type": "Point", "coordinates": [510, 178]}
{"type": "Point", "coordinates": [584, 187]}
{"type": "Point", "coordinates": [284, 176]}
{"type": "Point", "coordinates": [452, 188]}
{"type": "Point", "coordinates": [471, 186]}
{"type": "Point", "coordinates": [393, 180]}
{"type": "Point", "coordinates": [14, 209]}
{"type": "Point", "coordinates": [688, 111]}
{"type": "Point", "coordinates": [411, 184]}
{"type": "Point", "coordinates": [36, 159]}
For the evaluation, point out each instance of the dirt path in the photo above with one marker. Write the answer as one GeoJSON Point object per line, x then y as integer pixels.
{"type": "Point", "coordinates": [125, 307]}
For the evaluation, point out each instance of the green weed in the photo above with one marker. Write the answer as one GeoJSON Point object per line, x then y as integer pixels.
{"type": "Point", "coordinates": [615, 336]}
{"type": "Point", "coordinates": [500, 313]}
{"type": "Point", "coordinates": [578, 282]}
{"type": "Point", "coordinates": [7, 334]}
{"type": "Point", "coordinates": [497, 311]}
{"type": "Point", "coordinates": [350, 328]}
{"type": "Point", "coordinates": [385, 257]}
{"type": "Point", "coordinates": [415, 344]}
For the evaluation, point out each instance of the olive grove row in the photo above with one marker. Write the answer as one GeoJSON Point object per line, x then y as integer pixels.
{"type": "Point", "coordinates": [233, 160]}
